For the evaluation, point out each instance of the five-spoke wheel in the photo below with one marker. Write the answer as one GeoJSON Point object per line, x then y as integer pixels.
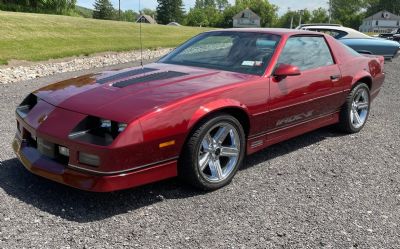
{"type": "Point", "coordinates": [213, 153]}
{"type": "Point", "coordinates": [355, 112]}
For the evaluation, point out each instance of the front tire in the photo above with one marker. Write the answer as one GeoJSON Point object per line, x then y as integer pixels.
{"type": "Point", "coordinates": [213, 153]}
{"type": "Point", "coordinates": [355, 111]}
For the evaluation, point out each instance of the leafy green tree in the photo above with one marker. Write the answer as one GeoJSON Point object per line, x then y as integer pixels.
{"type": "Point", "coordinates": [197, 17]}
{"type": "Point", "coordinates": [149, 12]}
{"type": "Point", "coordinates": [103, 9]}
{"type": "Point", "coordinates": [222, 4]}
{"type": "Point", "coordinates": [319, 15]}
{"type": "Point", "coordinates": [169, 11]}
{"type": "Point", "coordinates": [349, 13]}
{"type": "Point", "coordinates": [374, 6]}
{"type": "Point", "coordinates": [263, 8]}
{"type": "Point", "coordinates": [129, 16]}
{"type": "Point", "coordinates": [285, 20]}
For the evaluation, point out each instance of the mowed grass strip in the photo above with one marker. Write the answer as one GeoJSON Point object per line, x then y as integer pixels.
{"type": "Point", "coordinates": [37, 37]}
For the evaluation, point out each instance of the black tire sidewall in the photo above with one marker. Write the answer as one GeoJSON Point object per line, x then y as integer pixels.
{"type": "Point", "coordinates": [345, 120]}
{"type": "Point", "coordinates": [198, 135]}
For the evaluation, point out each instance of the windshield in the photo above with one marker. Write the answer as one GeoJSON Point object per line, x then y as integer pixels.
{"type": "Point", "coordinates": [243, 52]}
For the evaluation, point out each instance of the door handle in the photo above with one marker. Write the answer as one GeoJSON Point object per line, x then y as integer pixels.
{"type": "Point", "coordinates": [336, 77]}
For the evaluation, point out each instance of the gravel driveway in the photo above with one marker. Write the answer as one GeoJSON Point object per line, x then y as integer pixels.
{"type": "Point", "coordinates": [321, 190]}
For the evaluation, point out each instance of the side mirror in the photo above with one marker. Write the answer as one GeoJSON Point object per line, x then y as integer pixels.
{"type": "Point", "coordinates": [285, 70]}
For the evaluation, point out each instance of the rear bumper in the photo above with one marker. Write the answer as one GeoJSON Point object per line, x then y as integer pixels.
{"type": "Point", "coordinates": [52, 170]}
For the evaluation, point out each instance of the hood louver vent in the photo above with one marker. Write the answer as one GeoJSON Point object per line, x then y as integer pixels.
{"type": "Point", "coordinates": [150, 77]}
{"type": "Point", "coordinates": [125, 75]}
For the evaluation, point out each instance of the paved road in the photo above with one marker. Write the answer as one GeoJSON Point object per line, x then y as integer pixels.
{"type": "Point", "coordinates": [321, 190]}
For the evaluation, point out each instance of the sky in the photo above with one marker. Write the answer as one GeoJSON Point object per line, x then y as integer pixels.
{"type": "Point", "coordinates": [152, 4]}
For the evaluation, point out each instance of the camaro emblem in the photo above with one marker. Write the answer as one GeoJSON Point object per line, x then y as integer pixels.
{"type": "Point", "coordinates": [42, 119]}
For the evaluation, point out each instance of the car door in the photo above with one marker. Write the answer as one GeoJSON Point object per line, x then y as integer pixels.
{"type": "Point", "coordinates": [315, 93]}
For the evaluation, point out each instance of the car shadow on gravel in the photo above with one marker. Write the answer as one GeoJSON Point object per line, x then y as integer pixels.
{"type": "Point", "coordinates": [80, 206]}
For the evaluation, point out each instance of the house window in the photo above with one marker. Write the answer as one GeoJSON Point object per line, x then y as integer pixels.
{"type": "Point", "coordinates": [377, 23]}
{"type": "Point", "coordinates": [398, 23]}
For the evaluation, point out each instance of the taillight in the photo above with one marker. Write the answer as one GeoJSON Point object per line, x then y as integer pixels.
{"type": "Point", "coordinates": [381, 60]}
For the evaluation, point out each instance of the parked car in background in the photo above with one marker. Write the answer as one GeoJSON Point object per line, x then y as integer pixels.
{"type": "Point", "coordinates": [390, 35]}
{"type": "Point", "coordinates": [360, 42]}
{"type": "Point", "coordinates": [196, 112]}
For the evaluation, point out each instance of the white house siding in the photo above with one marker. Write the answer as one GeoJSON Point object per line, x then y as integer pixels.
{"type": "Point", "coordinates": [377, 23]}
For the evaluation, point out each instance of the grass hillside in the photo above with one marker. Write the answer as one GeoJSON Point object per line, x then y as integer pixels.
{"type": "Point", "coordinates": [36, 37]}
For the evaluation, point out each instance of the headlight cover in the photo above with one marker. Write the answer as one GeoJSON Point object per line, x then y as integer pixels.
{"type": "Point", "coordinates": [27, 104]}
{"type": "Point", "coordinates": [97, 131]}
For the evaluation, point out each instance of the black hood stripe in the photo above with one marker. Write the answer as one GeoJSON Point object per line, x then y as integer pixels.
{"type": "Point", "coordinates": [149, 77]}
{"type": "Point", "coordinates": [125, 75]}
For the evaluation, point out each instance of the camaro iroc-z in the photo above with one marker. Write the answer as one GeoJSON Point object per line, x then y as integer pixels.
{"type": "Point", "coordinates": [197, 111]}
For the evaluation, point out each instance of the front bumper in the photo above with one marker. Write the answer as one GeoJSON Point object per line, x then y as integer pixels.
{"type": "Point", "coordinates": [43, 166]}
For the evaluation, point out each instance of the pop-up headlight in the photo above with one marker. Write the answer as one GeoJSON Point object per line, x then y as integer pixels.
{"type": "Point", "coordinates": [29, 102]}
{"type": "Point", "coordinates": [97, 131]}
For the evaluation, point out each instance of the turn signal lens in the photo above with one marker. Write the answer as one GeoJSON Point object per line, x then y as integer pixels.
{"type": "Point", "coordinates": [63, 151]}
{"type": "Point", "coordinates": [89, 159]}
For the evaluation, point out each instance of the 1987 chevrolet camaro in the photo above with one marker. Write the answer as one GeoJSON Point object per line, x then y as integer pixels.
{"type": "Point", "coordinates": [197, 111]}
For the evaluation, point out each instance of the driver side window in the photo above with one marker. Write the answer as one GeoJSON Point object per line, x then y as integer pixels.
{"type": "Point", "coordinates": [306, 52]}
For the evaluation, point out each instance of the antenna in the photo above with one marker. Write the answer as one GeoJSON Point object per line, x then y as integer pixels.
{"type": "Point", "coordinates": [140, 36]}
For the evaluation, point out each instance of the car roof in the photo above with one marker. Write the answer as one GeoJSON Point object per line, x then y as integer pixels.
{"type": "Point", "coordinates": [276, 31]}
{"type": "Point", "coordinates": [351, 33]}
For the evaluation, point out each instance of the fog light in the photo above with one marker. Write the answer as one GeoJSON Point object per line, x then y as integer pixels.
{"type": "Point", "coordinates": [63, 151]}
{"type": "Point", "coordinates": [89, 159]}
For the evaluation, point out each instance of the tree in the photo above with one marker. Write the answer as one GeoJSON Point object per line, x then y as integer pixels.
{"type": "Point", "coordinates": [103, 9]}
{"type": "Point", "coordinates": [262, 8]}
{"type": "Point", "coordinates": [149, 12]}
{"type": "Point", "coordinates": [197, 17]}
{"type": "Point", "coordinates": [319, 15]}
{"type": "Point", "coordinates": [374, 6]}
{"type": "Point", "coordinates": [222, 4]}
{"type": "Point", "coordinates": [169, 11]}
{"type": "Point", "coordinates": [285, 20]}
{"type": "Point", "coordinates": [348, 12]}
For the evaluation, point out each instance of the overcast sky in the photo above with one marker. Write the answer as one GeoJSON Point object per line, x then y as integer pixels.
{"type": "Point", "coordinates": [152, 4]}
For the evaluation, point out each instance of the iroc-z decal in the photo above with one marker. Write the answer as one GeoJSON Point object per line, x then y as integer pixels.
{"type": "Point", "coordinates": [295, 118]}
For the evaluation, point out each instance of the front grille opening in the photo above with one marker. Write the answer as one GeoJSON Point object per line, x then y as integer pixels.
{"type": "Point", "coordinates": [27, 104]}
{"type": "Point", "coordinates": [46, 148]}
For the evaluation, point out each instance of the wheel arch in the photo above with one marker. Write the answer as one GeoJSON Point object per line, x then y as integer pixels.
{"type": "Point", "coordinates": [367, 80]}
{"type": "Point", "coordinates": [234, 109]}
{"type": "Point", "coordinates": [228, 106]}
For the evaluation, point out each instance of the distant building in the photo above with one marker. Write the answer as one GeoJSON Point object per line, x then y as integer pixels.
{"type": "Point", "coordinates": [381, 22]}
{"type": "Point", "coordinates": [146, 19]}
{"type": "Point", "coordinates": [246, 19]}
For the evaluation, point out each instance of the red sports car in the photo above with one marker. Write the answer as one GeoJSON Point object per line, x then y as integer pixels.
{"type": "Point", "coordinates": [197, 111]}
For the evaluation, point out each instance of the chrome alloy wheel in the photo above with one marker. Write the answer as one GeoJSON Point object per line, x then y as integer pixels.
{"type": "Point", "coordinates": [219, 152]}
{"type": "Point", "coordinates": [359, 108]}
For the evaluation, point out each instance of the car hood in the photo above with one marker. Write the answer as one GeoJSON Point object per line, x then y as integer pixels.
{"type": "Point", "coordinates": [126, 94]}
{"type": "Point", "coordinates": [372, 41]}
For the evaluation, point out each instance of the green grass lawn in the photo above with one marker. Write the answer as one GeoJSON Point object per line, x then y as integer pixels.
{"type": "Point", "coordinates": [37, 37]}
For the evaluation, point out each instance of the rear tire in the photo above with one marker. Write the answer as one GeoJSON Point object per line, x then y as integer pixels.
{"type": "Point", "coordinates": [355, 111]}
{"type": "Point", "coordinates": [213, 153]}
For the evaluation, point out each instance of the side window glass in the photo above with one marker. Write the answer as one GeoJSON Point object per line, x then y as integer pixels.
{"type": "Point", "coordinates": [306, 52]}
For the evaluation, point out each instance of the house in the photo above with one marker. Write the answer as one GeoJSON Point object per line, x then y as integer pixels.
{"type": "Point", "coordinates": [381, 22]}
{"type": "Point", "coordinates": [246, 19]}
{"type": "Point", "coordinates": [146, 19]}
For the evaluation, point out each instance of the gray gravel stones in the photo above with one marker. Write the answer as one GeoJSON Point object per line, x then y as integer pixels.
{"type": "Point", "coordinates": [21, 73]}
{"type": "Point", "coordinates": [323, 189]}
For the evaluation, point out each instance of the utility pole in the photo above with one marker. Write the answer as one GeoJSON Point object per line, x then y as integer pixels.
{"type": "Point", "coordinates": [301, 13]}
{"type": "Point", "coordinates": [119, 10]}
{"type": "Point", "coordinates": [330, 10]}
